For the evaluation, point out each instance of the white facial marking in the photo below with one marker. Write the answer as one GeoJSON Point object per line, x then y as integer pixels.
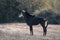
{"type": "Point", "coordinates": [23, 11]}
{"type": "Point", "coordinates": [20, 15]}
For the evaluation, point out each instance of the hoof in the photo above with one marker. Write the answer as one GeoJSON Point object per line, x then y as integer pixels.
{"type": "Point", "coordinates": [31, 34]}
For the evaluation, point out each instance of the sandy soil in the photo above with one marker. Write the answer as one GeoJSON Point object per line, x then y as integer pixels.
{"type": "Point", "coordinates": [20, 31]}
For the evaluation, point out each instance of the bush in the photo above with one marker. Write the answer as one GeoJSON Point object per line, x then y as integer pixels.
{"type": "Point", "coordinates": [50, 15]}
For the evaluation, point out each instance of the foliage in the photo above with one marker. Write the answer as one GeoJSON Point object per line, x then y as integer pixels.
{"type": "Point", "coordinates": [10, 9]}
{"type": "Point", "coordinates": [51, 16]}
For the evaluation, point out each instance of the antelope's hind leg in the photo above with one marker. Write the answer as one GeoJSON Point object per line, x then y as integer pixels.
{"type": "Point", "coordinates": [44, 29]}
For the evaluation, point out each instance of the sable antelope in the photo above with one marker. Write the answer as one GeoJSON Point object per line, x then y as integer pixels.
{"type": "Point", "coordinates": [33, 20]}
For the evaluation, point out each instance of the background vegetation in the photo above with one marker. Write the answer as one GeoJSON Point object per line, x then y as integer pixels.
{"type": "Point", "coordinates": [10, 9]}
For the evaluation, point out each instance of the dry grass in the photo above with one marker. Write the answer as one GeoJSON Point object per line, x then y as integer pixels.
{"type": "Point", "coordinates": [20, 31]}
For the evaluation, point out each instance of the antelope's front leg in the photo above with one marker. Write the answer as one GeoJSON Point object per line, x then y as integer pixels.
{"type": "Point", "coordinates": [31, 30]}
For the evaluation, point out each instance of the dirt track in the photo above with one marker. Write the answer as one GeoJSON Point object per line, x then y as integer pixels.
{"type": "Point", "coordinates": [20, 31]}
